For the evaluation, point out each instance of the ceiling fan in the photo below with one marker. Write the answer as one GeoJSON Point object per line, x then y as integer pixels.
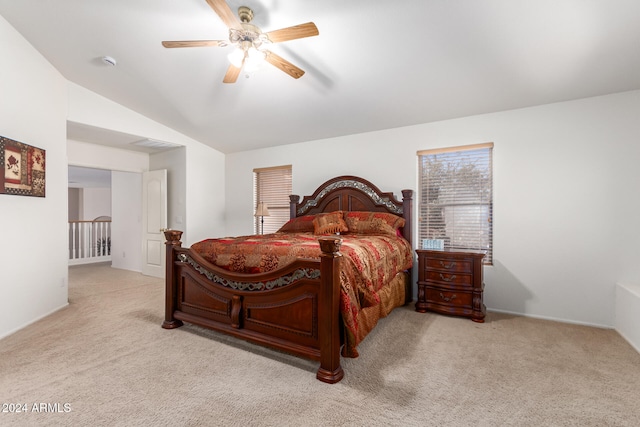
{"type": "Point", "coordinates": [250, 41]}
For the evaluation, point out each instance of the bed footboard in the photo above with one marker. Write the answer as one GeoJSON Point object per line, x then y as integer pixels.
{"type": "Point", "coordinates": [294, 309]}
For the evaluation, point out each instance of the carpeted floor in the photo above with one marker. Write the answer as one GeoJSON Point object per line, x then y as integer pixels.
{"type": "Point", "coordinates": [105, 361]}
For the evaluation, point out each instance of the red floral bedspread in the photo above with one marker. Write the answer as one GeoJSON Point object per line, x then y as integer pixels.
{"type": "Point", "coordinates": [370, 263]}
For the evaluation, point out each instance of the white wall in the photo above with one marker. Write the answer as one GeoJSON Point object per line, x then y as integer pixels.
{"type": "Point", "coordinates": [73, 213]}
{"type": "Point", "coordinates": [33, 255]}
{"type": "Point", "coordinates": [200, 167]}
{"type": "Point", "coordinates": [204, 204]}
{"type": "Point", "coordinates": [125, 197]}
{"type": "Point", "coordinates": [36, 104]}
{"type": "Point", "coordinates": [565, 204]}
{"type": "Point", "coordinates": [126, 220]}
{"type": "Point", "coordinates": [96, 202]}
{"type": "Point", "coordinates": [107, 158]}
{"type": "Point", "coordinates": [566, 189]}
{"type": "Point", "coordinates": [195, 193]}
{"type": "Point", "coordinates": [174, 161]}
{"type": "Point", "coordinates": [205, 198]}
{"type": "Point", "coordinates": [627, 319]}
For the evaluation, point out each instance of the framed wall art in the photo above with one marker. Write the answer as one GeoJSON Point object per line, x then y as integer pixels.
{"type": "Point", "coordinates": [23, 169]}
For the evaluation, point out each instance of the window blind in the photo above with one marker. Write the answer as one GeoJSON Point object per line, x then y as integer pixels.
{"type": "Point", "coordinates": [456, 198]}
{"type": "Point", "coordinates": [273, 187]}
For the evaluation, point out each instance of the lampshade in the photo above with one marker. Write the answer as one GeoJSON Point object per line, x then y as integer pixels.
{"type": "Point", "coordinates": [254, 60]}
{"type": "Point", "coordinates": [236, 57]}
{"type": "Point", "coordinates": [262, 210]}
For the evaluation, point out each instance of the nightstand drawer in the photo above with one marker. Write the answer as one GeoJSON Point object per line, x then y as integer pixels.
{"type": "Point", "coordinates": [449, 265]}
{"type": "Point", "coordinates": [449, 298]}
{"type": "Point", "coordinates": [449, 278]}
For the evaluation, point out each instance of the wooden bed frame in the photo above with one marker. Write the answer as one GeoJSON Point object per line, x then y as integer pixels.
{"type": "Point", "coordinates": [300, 313]}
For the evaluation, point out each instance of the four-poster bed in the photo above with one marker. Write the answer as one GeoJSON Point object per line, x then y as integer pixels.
{"type": "Point", "coordinates": [309, 289]}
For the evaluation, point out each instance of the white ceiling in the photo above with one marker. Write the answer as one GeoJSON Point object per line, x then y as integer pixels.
{"type": "Point", "coordinates": [80, 177]}
{"type": "Point", "coordinates": [375, 65]}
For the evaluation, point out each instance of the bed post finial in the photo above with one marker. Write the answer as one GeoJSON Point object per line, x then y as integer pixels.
{"type": "Point", "coordinates": [173, 237]}
{"type": "Point", "coordinates": [330, 245]}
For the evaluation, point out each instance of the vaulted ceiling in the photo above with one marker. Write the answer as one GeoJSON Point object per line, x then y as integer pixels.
{"type": "Point", "coordinates": [375, 64]}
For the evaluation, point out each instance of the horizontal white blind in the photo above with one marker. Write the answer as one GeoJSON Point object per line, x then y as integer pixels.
{"type": "Point", "coordinates": [273, 187]}
{"type": "Point", "coordinates": [456, 198]}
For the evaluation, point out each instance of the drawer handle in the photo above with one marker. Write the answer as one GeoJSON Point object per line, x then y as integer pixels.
{"type": "Point", "coordinates": [451, 298]}
{"type": "Point", "coordinates": [450, 265]}
{"type": "Point", "coordinates": [448, 278]}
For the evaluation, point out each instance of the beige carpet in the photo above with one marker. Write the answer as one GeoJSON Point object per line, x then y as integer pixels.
{"type": "Point", "coordinates": [105, 360]}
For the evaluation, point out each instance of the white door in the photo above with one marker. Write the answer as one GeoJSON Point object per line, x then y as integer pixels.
{"type": "Point", "coordinates": [154, 221]}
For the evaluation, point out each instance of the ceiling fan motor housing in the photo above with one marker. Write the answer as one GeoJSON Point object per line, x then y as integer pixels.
{"type": "Point", "coordinates": [245, 14]}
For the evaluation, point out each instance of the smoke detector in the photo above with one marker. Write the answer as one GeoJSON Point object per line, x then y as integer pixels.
{"type": "Point", "coordinates": [109, 60]}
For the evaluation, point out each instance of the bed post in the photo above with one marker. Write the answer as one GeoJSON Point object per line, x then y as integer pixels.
{"type": "Point", "coordinates": [407, 233]}
{"type": "Point", "coordinates": [330, 370]}
{"type": "Point", "coordinates": [173, 241]}
{"type": "Point", "coordinates": [407, 213]}
{"type": "Point", "coordinates": [293, 202]}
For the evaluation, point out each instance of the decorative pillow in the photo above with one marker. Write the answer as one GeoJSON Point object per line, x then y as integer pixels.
{"type": "Point", "coordinates": [329, 223]}
{"type": "Point", "coordinates": [373, 222]}
{"type": "Point", "coordinates": [301, 224]}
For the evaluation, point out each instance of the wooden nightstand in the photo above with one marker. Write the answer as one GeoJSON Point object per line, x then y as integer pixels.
{"type": "Point", "coordinates": [450, 282]}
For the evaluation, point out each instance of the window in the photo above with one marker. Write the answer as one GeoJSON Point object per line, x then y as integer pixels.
{"type": "Point", "coordinates": [456, 197]}
{"type": "Point", "coordinates": [272, 186]}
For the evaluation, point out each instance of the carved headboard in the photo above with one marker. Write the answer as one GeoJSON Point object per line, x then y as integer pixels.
{"type": "Point", "coordinates": [351, 193]}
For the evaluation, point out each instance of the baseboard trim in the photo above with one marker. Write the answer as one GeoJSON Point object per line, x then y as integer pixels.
{"type": "Point", "coordinates": [553, 319]}
{"type": "Point", "coordinates": [627, 314]}
{"type": "Point", "coordinates": [13, 331]}
{"type": "Point", "coordinates": [628, 339]}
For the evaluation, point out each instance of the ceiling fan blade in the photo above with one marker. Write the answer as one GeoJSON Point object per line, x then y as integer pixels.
{"type": "Point", "coordinates": [221, 8]}
{"type": "Point", "coordinates": [195, 43]}
{"type": "Point", "coordinates": [291, 33]}
{"type": "Point", "coordinates": [232, 74]}
{"type": "Point", "coordinates": [284, 65]}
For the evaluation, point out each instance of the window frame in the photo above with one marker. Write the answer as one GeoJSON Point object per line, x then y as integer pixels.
{"type": "Point", "coordinates": [272, 185]}
{"type": "Point", "coordinates": [471, 202]}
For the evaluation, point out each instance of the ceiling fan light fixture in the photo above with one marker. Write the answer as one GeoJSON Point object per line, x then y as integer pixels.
{"type": "Point", "coordinates": [250, 42]}
{"type": "Point", "coordinates": [256, 54]}
{"type": "Point", "coordinates": [236, 58]}
{"type": "Point", "coordinates": [254, 60]}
